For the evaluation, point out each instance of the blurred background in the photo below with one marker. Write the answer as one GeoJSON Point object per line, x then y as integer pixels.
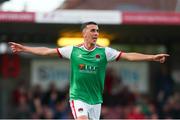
{"type": "Point", "coordinates": [33, 87]}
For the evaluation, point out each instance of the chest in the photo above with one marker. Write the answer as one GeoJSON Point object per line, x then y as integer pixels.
{"type": "Point", "coordinates": [96, 56]}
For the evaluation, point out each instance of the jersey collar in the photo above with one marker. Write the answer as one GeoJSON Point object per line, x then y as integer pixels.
{"type": "Point", "coordinates": [87, 49]}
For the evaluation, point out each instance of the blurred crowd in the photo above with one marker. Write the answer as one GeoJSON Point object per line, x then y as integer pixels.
{"type": "Point", "coordinates": [119, 102]}
{"type": "Point", "coordinates": [130, 105]}
{"type": "Point", "coordinates": [37, 103]}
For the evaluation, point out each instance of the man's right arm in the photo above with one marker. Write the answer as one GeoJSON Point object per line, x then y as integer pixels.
{"type": "Point", "coordinates": [44, 51]}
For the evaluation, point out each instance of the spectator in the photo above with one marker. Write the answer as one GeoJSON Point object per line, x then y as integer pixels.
{"type": "Point", "coordinates": [164, 86]}
{"type": "Point", "coordinates": [62, 109]}
{"type": "Point", "coordinates": [22, 111]}
{"type": "Point", "coordinates": [136, 113]}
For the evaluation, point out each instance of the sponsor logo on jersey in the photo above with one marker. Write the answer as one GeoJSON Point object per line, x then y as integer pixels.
{"type": "Point", "coordinates": [87, 68]}
{"type": "Point", "coordinates": [81, 66]}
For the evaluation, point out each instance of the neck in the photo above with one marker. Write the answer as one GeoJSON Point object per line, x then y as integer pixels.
{"type": "Point", "coordinates": [89, 46]}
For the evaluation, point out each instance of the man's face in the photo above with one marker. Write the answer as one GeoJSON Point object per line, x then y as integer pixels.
{"type": "Point", "coordinates": [90, 34]}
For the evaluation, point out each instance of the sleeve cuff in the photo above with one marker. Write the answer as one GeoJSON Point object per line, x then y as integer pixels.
{"type": "Point", "coordinates": [119, 56]}
{"type": "Point", "coordinates": [59, 53]}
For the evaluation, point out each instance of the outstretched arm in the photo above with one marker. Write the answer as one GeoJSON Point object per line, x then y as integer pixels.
{"type": "Point", "coordinates": [144, 57]}
{"type": "Point", "coordinates": [16, 48]}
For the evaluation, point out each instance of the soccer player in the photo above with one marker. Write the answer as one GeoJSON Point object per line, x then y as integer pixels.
{"type": "Point", "coordinates": [88, 66]}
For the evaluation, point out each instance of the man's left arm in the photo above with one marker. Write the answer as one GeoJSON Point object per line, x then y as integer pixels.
{"type": "Point", "coordinates": [144, 57]}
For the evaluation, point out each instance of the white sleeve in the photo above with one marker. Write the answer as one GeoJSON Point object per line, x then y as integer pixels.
{"type": "Point", "coordinates": [65, 52]}
{"type": "Point", "coordinates": [112, 54]}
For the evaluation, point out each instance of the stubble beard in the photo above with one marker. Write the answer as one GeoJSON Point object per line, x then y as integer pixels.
{"type": "Point", "coordinates": [93, 44]}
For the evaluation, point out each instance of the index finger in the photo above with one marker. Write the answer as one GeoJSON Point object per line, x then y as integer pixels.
{"type": "Point", "coordinates": [166, 55]}
{"type": "Point", "coordinates": [11, 43]}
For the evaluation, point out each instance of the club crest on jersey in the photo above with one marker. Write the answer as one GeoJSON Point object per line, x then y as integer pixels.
{"type": "Point", "coordinates": [80, 110]}
{"type": "Point", "coordinates": [97, 57]}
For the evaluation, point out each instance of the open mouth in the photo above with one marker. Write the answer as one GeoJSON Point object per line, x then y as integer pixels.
{"type": "Point", "coordinates": [94, 38]}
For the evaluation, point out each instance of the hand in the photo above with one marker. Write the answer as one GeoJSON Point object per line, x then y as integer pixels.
{"type": "Point", "coordinates": [15, 47]}
{"type": "Point", "coordinates": [160, 57]}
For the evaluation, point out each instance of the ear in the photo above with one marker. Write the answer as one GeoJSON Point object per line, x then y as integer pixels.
{"type": "Point", "coordinates": [83, 32]}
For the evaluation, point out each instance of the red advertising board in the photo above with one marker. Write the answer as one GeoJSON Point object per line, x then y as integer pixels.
{"type": "Point", "coordinates": [17, 17]}
{"type": "Point", "coordinates": [152, 18]}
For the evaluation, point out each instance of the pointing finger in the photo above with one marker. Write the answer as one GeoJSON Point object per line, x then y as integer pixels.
{"type": "Point", "coordinates": [11, 43]}
{"type": "Point", "coordinates": [166, 55]}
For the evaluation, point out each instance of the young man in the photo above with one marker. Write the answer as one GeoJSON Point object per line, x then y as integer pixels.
{"type": "Point", "coordinates": [88, 64]}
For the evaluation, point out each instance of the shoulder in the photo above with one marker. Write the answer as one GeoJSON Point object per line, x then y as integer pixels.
{"type": "Point", "coordinates": [65, 49]}
{"type": "Point", "coordinates": [79, 45]}
{"type": "Point", "coordinates": [109, 49]}
{"type": "Point", "coordinates": [100, 47]}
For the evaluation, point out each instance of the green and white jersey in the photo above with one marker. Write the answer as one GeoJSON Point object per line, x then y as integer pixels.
{"type": "Point", "coordinates": [88, 69]}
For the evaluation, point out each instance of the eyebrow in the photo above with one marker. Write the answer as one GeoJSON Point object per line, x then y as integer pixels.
{"type": "Point", "coordinates": [93, 29]}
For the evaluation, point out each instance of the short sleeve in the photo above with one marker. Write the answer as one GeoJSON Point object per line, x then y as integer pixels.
{"type": "Point", "coordinates": [112, 54]}
{"type": "Point", "coordinates": [65, 52]}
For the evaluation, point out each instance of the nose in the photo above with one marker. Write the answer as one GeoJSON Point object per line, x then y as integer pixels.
{"type": "Point", "coordinates": [96, 33]}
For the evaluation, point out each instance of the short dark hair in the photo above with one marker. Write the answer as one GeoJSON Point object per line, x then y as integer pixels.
{"type": "Point", "coordinates": [88, 23]}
